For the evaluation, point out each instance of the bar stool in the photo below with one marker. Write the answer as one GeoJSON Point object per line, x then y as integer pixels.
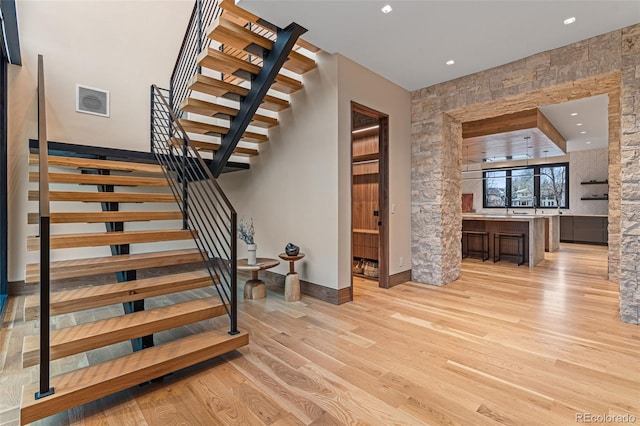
{"type": "Point", "coordinates": [484, 237]}
{"type": "Point", "coordinates": [497, 247]}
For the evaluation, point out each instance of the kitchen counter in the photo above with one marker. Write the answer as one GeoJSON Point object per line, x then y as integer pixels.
{"type": "Point", "coordinates": [551, 226]}
{"type": "Point", "coordinates": [533, 226]}
{"type": "Point", "coordinates": [492, 216]}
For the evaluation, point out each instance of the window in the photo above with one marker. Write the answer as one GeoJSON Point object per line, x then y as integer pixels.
{"type": "Point", "coordinates": [522, 188]}
{"type": "Point", "coordinates": [495, 189]}
{"type": "Point", "coordinates": [528, 187]}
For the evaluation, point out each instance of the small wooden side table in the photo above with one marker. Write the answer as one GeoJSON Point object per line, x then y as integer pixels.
{"type": "Point", "coordinates": [291, 282]}
{"type": "Point", "coordinates": [255, 287]}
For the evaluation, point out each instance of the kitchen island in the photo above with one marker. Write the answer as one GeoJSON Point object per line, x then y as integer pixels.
{"type": "Point", "coordinates": [532, 226]}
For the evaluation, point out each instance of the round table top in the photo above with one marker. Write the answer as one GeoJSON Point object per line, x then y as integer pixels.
{"type": "Point", "coordinates": [262, 263]}
{"type": "Point", "coordinates": [285, 256]}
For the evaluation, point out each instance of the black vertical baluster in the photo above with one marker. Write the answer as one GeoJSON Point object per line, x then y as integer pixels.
{"type": "Point", "coordinates": [185, 187]}
{"type": "Point", "coordinates": [234, 276]}
{"type": "Point", "coordinates": [199, 29]}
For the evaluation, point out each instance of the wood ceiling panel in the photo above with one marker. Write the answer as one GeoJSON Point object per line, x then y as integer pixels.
{"type": "Point", "coordinates": [518, 136]}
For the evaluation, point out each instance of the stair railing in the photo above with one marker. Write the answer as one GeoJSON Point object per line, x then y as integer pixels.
{"type": "Point", "coordinates": [205, 208]}
{"type": "Point", "coordinates": [195, 41]}
{"type": "Point", "coordinates": [45, 234]}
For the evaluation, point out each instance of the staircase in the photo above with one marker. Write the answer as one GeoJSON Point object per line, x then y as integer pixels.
{"type": "Point", "coordinates": [238, 81]}
{"type": "Point", "coordinates": [174, 300]}
{"type": "Point", "coordinates": [233, 74]}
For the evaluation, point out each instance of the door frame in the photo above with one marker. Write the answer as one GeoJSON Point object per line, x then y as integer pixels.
{"type": "Point", "coordinates": [383, 190]}
{"type": "Point", "coordinates": [4, 224]}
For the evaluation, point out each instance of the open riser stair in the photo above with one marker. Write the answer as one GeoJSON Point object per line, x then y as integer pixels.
{"type": "Point", "coordinates": [229, 65]}
{"type": "Point", "coordinates": [88, 308]}
{"type": "Point", "coordinates": [141, 248]}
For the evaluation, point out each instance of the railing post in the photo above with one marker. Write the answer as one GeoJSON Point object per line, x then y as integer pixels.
{"type": "Point", "coordinates": [45, 311]}
{"type": "Point", "coordinates": [151, 120]}
{"type": "Point", "coordinates": [234, 276]}
{"type": "Point", "coordinates": [45, 247]}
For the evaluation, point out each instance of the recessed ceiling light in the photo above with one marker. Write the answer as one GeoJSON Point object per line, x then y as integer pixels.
{"type": "Point", "coordinates": [450, 62]}
{"type": "Point", "coordinates": [582, 132]}
{"type": "Point", "coordinates": [573, 114]}
{"type": "Point", "coordinates": [387, 9]}
{"type": "Point", "coordinates": [588, 142]}
{"type": "Point", "coordinates": [570, 20]}
{"type": "Point", "coordinates": [578, 124]}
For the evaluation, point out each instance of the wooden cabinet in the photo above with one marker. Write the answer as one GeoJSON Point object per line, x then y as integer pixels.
{"type": "Point", "coordinates": [566, 228]}
{"type": "Point", "coordinates": [365, 244]}
{"type": "Point", "coordinates": [584, 229]}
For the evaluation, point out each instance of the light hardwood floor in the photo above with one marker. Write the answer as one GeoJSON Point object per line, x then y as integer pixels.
{"type": "Point", "coordinates": [503, 345]}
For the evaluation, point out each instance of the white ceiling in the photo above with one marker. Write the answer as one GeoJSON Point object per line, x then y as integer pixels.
{"type": "Point", "coordinates": [592, 114]}
{"type": "Point", "coordinates": [410, 45]}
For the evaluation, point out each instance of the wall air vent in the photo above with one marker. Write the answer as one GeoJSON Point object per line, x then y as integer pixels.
{"type": "Point", "coordinates": [92, 101]}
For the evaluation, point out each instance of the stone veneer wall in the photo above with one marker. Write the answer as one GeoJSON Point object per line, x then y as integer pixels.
{"type": "Point", "coordinates": [605, 64]}
{"type": "Point", "coordinates": [630, 167]}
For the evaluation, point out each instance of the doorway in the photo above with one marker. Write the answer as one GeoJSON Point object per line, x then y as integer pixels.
{"type": "Point", "coordinates": [369, 194]}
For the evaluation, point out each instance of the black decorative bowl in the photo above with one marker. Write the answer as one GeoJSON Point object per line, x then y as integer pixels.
{"type": "Point", "coordinates": [292, 249]}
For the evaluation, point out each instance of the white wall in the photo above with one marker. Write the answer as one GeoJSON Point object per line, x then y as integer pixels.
{"type": "Point", "coordinates": [360, 85]}
{"type": "Point", "coordinates": [583, 166]}
{"type": "Point", "coordinates": [120, 46]}
{"type": "Point", "coordinates": [290, 191]}
{"type": "Point", "coordinates": [299, 188]}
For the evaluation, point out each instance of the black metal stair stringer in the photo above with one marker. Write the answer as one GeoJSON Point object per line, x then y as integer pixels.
{"type": "Point", "coordinates": [119, 249]}
{"type": "Point", "coordinates": [273, 61]}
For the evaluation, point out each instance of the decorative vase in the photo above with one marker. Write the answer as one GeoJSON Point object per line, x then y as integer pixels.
{"type": "Point", "coordinates": [292, 249]}
{"type": "Point", "coordinates": [251, 253]}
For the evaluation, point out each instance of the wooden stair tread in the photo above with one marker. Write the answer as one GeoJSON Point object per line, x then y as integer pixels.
{"type": "Point", "coordinates": [90, 163]}
{"type": "Point", "coordinates": [96, 381]}
{"type": "Point", "coordinates": [199, 127]}
{"type": "Point", "coordinates": [87, 179]}
{"type": "Point", "coordinates": [101, 217]}
{"type": "Point", "coordinates": [85, 337]}
{"type": "Point", "coordinates": [230, 7]}
{"type": "Point", "coordinates": [219, 61]}
{"type": "Point", "coordinates": [120, 197]}
{"type": "Point", "coordinates": [63, 269]}
{"type": "Point", "coordinates": [211, 86]}
{"type": "Point", "coordinates": [210, 109]}
{"type": "Point", "coordinates": [110, 238]}
{"type": "Point", "coordinates": [212, 146]}
{"type": "Point", "coordinates": [239, 37]}
{"type": "Point", "coordinates": [79, 299]}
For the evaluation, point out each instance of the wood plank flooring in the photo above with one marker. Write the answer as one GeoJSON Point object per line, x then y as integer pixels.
{"type": "Point", "coordinates": [504, 345]}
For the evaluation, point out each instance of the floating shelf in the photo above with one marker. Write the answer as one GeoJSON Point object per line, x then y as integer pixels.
{"type": "Point", "coordinates": [365, 157]}
{"type": "Point", "coordinates": [595, 182]}
{"type": "Point", "coordinates": [366, 231]}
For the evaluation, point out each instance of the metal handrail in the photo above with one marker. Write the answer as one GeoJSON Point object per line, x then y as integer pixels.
{"type": "Point", "coordinates": [45, 234]}
{"type": "Point", "coordinates": [206, 210]}
{"type": "Point", "coordinates": [195, 41]}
